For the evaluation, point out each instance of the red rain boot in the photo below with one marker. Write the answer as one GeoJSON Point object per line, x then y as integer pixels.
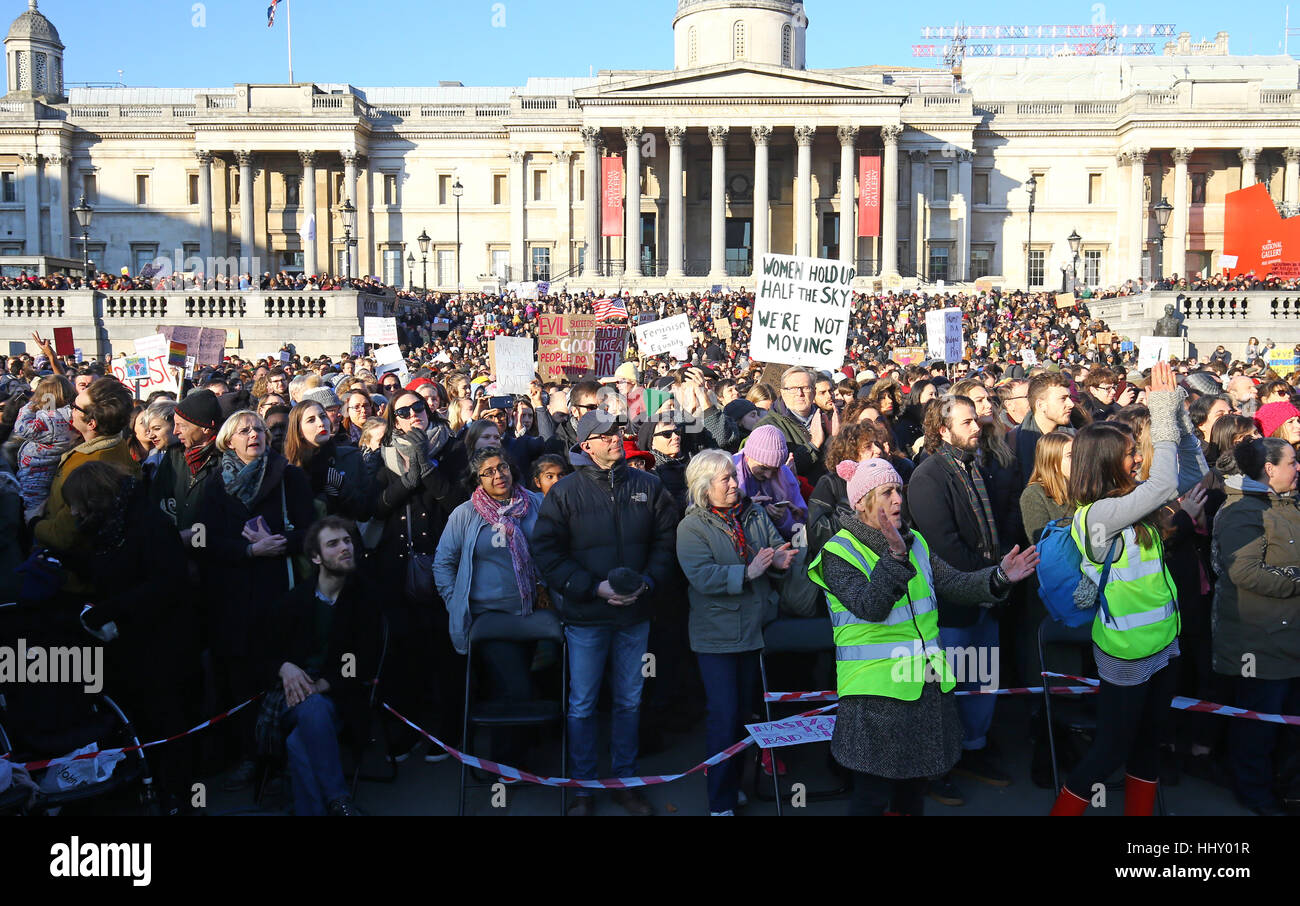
{"type": "Point", "coordinates": [1139, 796]}
{"type": "Point", "coordinates": [1068, 804]}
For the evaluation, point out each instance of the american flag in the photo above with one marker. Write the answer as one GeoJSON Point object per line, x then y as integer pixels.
{"type": "Point", "coordinates": [610, 310]}
{"type": "Point", "coordinates": [270, 13]}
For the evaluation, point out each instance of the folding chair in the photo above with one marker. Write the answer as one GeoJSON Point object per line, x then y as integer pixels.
{"type": "Point", "coordinates": [793, 635]}
{"type": "Point", "coordinates": [503, 627]}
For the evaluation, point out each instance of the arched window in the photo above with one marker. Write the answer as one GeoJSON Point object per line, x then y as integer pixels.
{"type": "Point", "coordinates": [786, 44]}
{"type": "Point", "coordinates": [738, 41]}
{"type": "Point", "coordinates": [691, 46]}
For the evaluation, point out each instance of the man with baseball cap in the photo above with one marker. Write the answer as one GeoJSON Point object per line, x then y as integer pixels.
{"type": "Point", "coordinates": [178, 484]}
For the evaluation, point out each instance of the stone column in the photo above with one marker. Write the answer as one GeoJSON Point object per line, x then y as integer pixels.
{"type": "Point", "coordinates": [848, 136]}
{"type": "Point", "coordinates": [632, 205]}
{"type": "Point", "coordinates": [247, 247]}
{"type": "Point", "coordinates": [1290, 191]}
{"type": "Point", "coordinates": [1248, 175]}
{"type": "Point", "coordinates": [308, 198]}
{"type": "Point", "coordinates": [889, 201]}
{"type": "Point", "coordinates": [803, 137]}
{"type": "Point", "coordinates": [1138, 209]}
{"type": "Point", "coordinates": [762, 207]}
{"type": "Point", "coordinates": [205, 209]}
{"type": "Point", "coordinates": [518, 193]}
{"type": "Point", "coordinates": [59, 203]}
{"type": "Point", "coordinates": [350, 187]}
{"type": "Point", "coordinates": [676, 204]}
{"type": "Point", "coordinates": [591, 202]}
{"type": "Point", "coordinates": [718, 204]}
{"type": "Point", "coordinates": [961, 266]}
{"type": "Point", "coordinates": [32, 203]}
{"type": "Point", "coordinates": [563, 234]}
{"type": "Point", "coordinates": [918, 212]}
{"type": "Point", "coordinates": [1177, 242]}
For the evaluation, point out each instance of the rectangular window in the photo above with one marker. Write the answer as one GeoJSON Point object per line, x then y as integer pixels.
{"type": "Point", "coordinates": [501, 263]}
{"type": "Point", "coordinates": [292, 188]}
{"type": "Point", "coordinates": [981, 263]}
{"type": "Point", "coordinates": [830, 235]}
{"type": "Point", "coordinates": [1198, 188]}
{"type": "Point", "coordinates": [444, 188]}
{"type": "Point", "coordinates": [979, 188]}
{"type": "Point", "coordinates": [446, 267]}
{"type": "Point", "coordinates": [539, 185]}
{"type": "Point", "coordinates": [582, 186]}
{"type": "Point", "coordinates": [1092, 267]}
{"type": "Point", "coordinates": [499, 189]}
{"type": "Point", "coordinates": [939, 186]}
{"type": "Point", "coordinates": [190, 251]}
{"type": "Point", "coordinates": [141, 189]}
{"type": "Point", "coordinates": [579, 255]}
{"type": "Point", "coordinates": [938, 263]}
{"type": "Point", "coordinates": [234, 188]}
{"type": "Point", "coordinates": [194, 188]}
{"type": "Point", "coordinates": [1094, 188]}
{"type": "Point", "coordinates": [89, 188]}
{"type": "Point", "coordinates": [1037, 265]}
{"type": "Point", "coordinates": [142, 256]}
{"type": "Point", "coordinates": [393, 268]}
{"type": "Point", "coordinates": [390, 194]}
{"type": "Point", "coordinates": [9, 183]}
{"type": "Point", "coordinates": [541, 260]}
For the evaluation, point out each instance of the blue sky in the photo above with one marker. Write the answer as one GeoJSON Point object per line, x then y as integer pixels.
{"type": "Point", "coordinates": [181, 43]}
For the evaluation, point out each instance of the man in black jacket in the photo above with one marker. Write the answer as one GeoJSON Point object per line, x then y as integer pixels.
{"type": "Point", "coordinates": [950, 506]}
{"type": "Point", "coordinates": [559, 428]}
{"type": "Point", "coordinates": [605, 540]}
{"type": "Point", "coordinates": [177, 485]}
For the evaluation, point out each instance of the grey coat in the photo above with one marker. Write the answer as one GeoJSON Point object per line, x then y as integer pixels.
{"type": "Point", "coordinates": [728, 610]}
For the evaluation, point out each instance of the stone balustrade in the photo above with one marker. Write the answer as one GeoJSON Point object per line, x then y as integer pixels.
{"type": "Point", "coordinates": [1211, 318]}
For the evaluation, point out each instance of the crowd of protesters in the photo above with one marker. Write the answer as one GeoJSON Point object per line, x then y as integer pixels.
{"type": "Point", "coordinates": [289, 523]}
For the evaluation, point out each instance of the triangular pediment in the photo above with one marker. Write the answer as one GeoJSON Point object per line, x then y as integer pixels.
{"type": "Point", "coordinates": [739, 80]}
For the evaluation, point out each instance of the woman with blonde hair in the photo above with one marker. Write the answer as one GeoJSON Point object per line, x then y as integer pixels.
{"type": "Point", "coordinates": [44, 425]}
{"type": "Point", "coordinates": [1047, 496]}
{"type": "Point", "coordinates": [762, 395]}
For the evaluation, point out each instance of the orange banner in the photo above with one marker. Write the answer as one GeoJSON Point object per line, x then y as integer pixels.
{"type": "Point", "coordinates": [1256, 234]}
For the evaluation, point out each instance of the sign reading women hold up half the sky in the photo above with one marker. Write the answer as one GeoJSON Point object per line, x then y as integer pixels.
{"type": "Point", "coordinates": [801, 311]}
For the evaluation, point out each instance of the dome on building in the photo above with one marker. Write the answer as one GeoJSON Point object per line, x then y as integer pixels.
{"type": "Point", "coordinates": [34, 26]}
{"type": "Point", "coordinates": [709, 32]}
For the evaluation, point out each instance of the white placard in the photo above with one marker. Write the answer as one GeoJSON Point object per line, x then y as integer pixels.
{"type": "Point", "coordinates": [982, 339]}
{"type": "Point", "coordinates": [160, 376]}
{"type": "Point", "coordinates": [1227, 261]}
{"type": "Point", "coordinates": [801, 311]}
{"type": "Point", "coordinates": [662, 336]}
{"type": "Point", "coordinates": [386, 354]}
{"type": "Point", "coordinates": [398, 368]}
{"type": "Point", "coordinates": [381, 331]}
{"type": "Point", "coordinates": [515, 365]}
{"type": "Point", "coordinates": [153, 345]}
{"type": "Point", "coordinates": [943, 334]}
{"type": "Point", "coordinates": [1028, 357]}
{"type": "Point", "coordinates": [1152, 350]}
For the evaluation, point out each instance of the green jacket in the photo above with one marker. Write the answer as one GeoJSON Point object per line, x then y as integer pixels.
{"type": "Point", "coordinates": [58, 530]}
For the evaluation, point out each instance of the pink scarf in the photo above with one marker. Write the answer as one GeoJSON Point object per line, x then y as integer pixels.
{"type": "Point", "coordinates": [506, 517]}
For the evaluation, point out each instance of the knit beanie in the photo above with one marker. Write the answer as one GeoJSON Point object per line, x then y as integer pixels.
{"type": "Point", "coordinates": [1271, 417]}
{"type": "Point", "coordinates": [738, 409]}
{"type": "Point", "coordinates": [766, 446]}
{"type": "Point", "coordinates": [201, 408]}
{"type": "Point", "coordinates": [323, 395]}
{"type": "Point", "coordinates": [864, 477]}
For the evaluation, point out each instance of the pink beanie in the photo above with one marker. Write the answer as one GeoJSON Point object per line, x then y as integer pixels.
{"type": "Point", "coordinates": [766, 446]}
{"type": "Point", "coordinates": [864, 477]}
{"type": "Point", "coordinates": [1273, 416]}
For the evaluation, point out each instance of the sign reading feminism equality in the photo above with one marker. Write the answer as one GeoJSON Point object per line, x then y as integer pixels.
{"type": "Point", "coordinates": [801, 311]}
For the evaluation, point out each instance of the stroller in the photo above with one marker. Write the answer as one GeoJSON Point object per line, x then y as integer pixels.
{"type": "Point", "coordinates": [45, 720]}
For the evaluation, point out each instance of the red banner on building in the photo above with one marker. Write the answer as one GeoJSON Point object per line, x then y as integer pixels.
{"type": "Point", "coordinates": [1256, 237]}
{"type": "Point", "coordinates": [611, 183]}
{"type": "Point", "coordinates": [869, 195]}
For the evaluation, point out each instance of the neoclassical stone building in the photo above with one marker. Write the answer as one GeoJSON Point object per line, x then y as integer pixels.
{"type": "Point", "coordinates": [738, 149]}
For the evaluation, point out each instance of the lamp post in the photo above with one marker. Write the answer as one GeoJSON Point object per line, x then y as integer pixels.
{"type": "Point", "coordinates": [84, 213]}
{"type": "Point", "coordinates": [458, 190]}
{"type": "Point", "coordinates": [1032, 186]}
{"type": "Point", "coordinates": [1162, 211]}
{"type": "Point", "coordinates": [1075, 241]}
{"type": "Point", "coordinates": [348, 213]}
{"type": "Point", "coordinates": [424, 240]}
{"type": "Point", "coordinates": [410, 272]}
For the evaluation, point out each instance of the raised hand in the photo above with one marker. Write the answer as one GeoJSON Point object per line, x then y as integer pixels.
{"type": "Point", "coordinates": [890, 531]}
{"type": "Point", "coordinates": [1018, 564]}
{"type": "Point", "coordinates": [1162, 378]}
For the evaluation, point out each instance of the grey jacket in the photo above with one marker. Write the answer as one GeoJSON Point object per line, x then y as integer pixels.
{"type": "Point", "coordinates": [728, 610]}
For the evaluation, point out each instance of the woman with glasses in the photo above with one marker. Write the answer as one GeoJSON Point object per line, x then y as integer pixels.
{"type": "Point", "coordinates": [663, 438]}
{"type": "Point", "coordinates": [255, 518]}
{"type": "Point", "coordinates": [484, 564]}
{"type": "Point", "coordinates": [357, 407]}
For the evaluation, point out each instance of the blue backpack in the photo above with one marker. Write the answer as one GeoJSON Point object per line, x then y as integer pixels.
{"type": "Point", "coordinates": [1060, 570]}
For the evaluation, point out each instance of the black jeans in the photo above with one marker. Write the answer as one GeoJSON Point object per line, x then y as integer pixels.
{"type": "Point", "coordinates": [873, 795]}
{"type": "Point", "coordinates": [1252, 743]}
{"type": "Point", "coordinates": [1129, 721]}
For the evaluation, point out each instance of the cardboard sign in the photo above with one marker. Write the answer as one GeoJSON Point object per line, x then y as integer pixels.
{"type": "Point", "coordinates": [663, 336]}
{"type": "Point", "coordinates": [908, 355]}
{"type": "Point", "coordinates": [63, 342]}
{"type": "Point", "coordinates": [381, 331]}
{"type": "Point", "coordinates": [1152, 350]}
{"type": "Point", "coordinates": [722, 327]}
{"type": "Point", "coordinates": [792, 732]}
{"type": "Point", "coordinates": [801, 311]}
{"type": "Point", "coordinates": [566, 346]}
{"type": "Point", "coordinates": [1104, 338]}
{"type": "Point", "coordinates": [943, 334]}
{"type": "Point", "coordinates": [1065, 300]}
{"type": "Point", "coordinates": [512, 363]}
{"type": "Point", "coordinates": [611, 349]}
{"type": "Point", "coordinates": [206, 344]}
{"type": "Point", "coordinates": [984, 285]}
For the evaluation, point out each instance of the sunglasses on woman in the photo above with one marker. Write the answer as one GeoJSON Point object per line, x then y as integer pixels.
{"type": "Point", "coordinates": [414, 409]}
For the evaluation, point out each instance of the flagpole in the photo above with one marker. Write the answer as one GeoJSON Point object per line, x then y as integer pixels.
{"type": "Point", "coordinates": [288, 22]}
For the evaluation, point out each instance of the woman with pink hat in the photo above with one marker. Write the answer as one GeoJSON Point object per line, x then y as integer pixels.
{"type": "Point", "coordinates": [897, 722]}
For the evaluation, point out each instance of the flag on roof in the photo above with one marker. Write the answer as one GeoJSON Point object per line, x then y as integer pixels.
{"type": "Point", "coordinates": [270, 13]}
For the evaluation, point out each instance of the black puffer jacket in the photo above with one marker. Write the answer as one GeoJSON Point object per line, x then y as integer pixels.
{"type": "Point", "coordinates": [595, 520]}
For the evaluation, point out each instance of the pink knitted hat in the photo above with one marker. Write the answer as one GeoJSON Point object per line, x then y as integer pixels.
{"type": "Point", "coordinates": [864, 477]}
{"type": "Point", "coordinates": [766, 446]}
{"type": "Point", "coordinates": [1271, 417]}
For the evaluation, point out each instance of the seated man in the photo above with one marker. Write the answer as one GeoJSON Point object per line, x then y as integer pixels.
{"type": "Point", "coordinates": [326, 645]}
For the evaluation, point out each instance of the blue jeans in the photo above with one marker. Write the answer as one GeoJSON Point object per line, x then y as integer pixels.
{"type": "Point", "coordinates": [313, 750]}
{"type": "Point", "coordinates": [975, 711]}
{"type": "Point", "coordinates": [729, 683]}
{"type": "Point", "coordinates": [589, 649]}
{"type": "Point", "coordinates": [1251, 743]}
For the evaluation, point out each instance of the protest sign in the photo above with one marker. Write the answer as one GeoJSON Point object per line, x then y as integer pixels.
{"type": "Point", "coordinates": [722, 327]}
{"type": "Point", "coordinates": [943, 340]}
{"type": "Point", "coordinates": [1152, 350]}
{"type": "Point", "coordinates": [566, 346]}
{"type": "Point", "coordinates": [190, 362]}
{"type": "Point", "coordinates": [154, 344]}
{"type": "Point", "coordinates": [646, 317]}
{"type": "Point", "coordinates": [1226, 262]}
{"type": "Point", "coordinates": [982, 339]}
{"type": "Point", "coordinates": [1028, 357]}
{"type": "Point", "coordinates": [137, 368]}
{"type": "Point", "coordinates": [984, 285]}
{"type": "Point", "coordinates": [63, 343]}
{"type": "Point", "coordinates": [1283, 361]}
{"type": "Point", "coordinates": [1125, 345]}
{"type": "Point", "coordinates": [206, 344]}
{"type": "Point", "coordinates": [611, 349]}
{"type": "Point", "coordinates": [77, 353]}
{"type": "Point", "coordinates": [380, 330]}
{"type": "Point", "coordinates": [146, 373]}
{"type": "Point", "coordinates": [177, 354]}
{"type": "Point", "coordinates": [385, 354]}
{"type": "Point", "coordinates": [801, 311]}
{"type": "Point", "coordinates": [1103, 338]}
{"type": "Point", "coordinates": [663, 336]}
{"type": "Point", "coordinates": [793, 731]}
{"type": "Point", "coordinates": [1065, 300]}
{"type": "Point", "coordinates": [398, 368]}
{"type": "Point", "coordinates": [512, 363]}
{"type": "Point", "coordinates": [908, 355]}
{"type": "Point", "coordinates": [358, 345]}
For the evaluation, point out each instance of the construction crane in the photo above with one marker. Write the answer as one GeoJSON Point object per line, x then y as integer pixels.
{"type": "Point", "coordinates": [1050, 41]}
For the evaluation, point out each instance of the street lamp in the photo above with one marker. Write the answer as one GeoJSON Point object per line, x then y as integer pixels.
{"type": "Point", "coordinates": [410, 272]}
{"type": "Point", "coordinates": [458, 190]}
{"type": "Point", "coordinates": [424, 240]}
{"type": "Point", "coordinates": [1162, 211]}
{"type": "Point", "coordinates": [348, 213]}
{"type": "Point", "coordinates": [1032, 186]}
{"type": "Point", "coordinates": [1075, 241]}
{"type": "Point", "coordinates": [84, 213]}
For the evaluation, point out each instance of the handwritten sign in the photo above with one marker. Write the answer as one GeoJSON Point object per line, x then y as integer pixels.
{"type": "Point", "coordinates": [908, 355]}
{"type": "Point", "coordinates": [943, 334]}
{"type": "Point", "coordinates": [512, 363]}
{"type": "Point", "coordinates": [358, 345]}
{"type": "Point", "coordinates": [1152, 350]}
{"type": "Point", "coordinates": [801, 311]}
{"type": "Point", "coordinates": [566, 346]}
{"type": "Point", "coordinates": [1283, 361]}
{"type": "Point", "coordinates": [1104, 338]}
{"type": "Point", "coordinates": [1065, 300]}
{"type": "Point", "coordinates": [380, 330]}
{"type": "Point", "coordinates": [611, 349]}
{"type": "Point", "coordinates": [722, 327]}
{"type": "Point", "coordinates": [662, 336]}
{"type": "Point", "coordinates": [792, 732]}
{"type": "Point", "coordinates": [146, 373]}
{"type": "Point", "coordinates": [206, 344]}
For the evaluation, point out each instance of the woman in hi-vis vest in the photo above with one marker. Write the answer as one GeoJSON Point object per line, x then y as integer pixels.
{"type": "Point", "coordinates": [1134, 645]}
{"type": "Point", "coordinates": [897, 724]}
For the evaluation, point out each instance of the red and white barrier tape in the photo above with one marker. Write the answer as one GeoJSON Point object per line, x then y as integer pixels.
{"type": "Point", "coordinates": [102, 753]}
{"type": "Point", "coordinates": [830, 695]}
{"type": "Point", "coordinates": [615, 783]}
{"type": "Point", "coordinates": [1200, 706]}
